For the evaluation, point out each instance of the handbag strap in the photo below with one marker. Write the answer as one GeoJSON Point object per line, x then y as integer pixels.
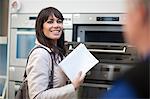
{"type": "Point", "coordinates": [50, 85]}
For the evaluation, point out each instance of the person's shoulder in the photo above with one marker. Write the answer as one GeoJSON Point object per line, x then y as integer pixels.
{"type": "Point", "coordinates": [40, 51]}
{"type": "Point", "coordinates": [120, 89]}
{"type": "Point", "coordinates": [138, 78]}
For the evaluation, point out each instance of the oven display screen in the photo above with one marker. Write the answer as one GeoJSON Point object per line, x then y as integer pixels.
{"type": "Point", "coordinates": [107, 18]}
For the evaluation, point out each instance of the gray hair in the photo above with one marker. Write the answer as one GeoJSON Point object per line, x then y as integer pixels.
{"type": "Point", "coordinates": [147, 5]}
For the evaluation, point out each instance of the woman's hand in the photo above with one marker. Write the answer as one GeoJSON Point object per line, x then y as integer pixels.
{"type": "Point", "coordinates": [78, 80]}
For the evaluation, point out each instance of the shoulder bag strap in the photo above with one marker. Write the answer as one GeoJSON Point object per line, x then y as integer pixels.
{"type": "Point", "coordinates": [50, 85]}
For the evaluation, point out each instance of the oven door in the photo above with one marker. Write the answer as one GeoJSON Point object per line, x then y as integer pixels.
{"type": "Point", "coordinates": [103, 38]}
{"type": "Point", "coordinates": [92, 91]}
{"type": "Point", "coordinates": [22, 41]}
{"type": "Point", "coordinates": [98, 33]}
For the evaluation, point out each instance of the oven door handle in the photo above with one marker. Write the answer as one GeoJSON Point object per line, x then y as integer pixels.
{"type": "Point", "coordinates": [96, 85]}
{"type": "Point", "coordinates": [109, 51]}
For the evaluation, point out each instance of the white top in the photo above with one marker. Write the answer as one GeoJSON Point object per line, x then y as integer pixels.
{"type": "Point", "coordinates": [38, 71]}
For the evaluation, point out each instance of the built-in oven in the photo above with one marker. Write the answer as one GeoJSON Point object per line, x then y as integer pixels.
{"type": "Point", "coordinates": [102, 28]}
{"type": "Point", "coordinates": [98, 33]}
{"type": "Point", "coordinates": [103, 36]}
{"type": "Point", "coordinates": [22, 38]}
{"type": "Point", "coordinates": [21, 41]}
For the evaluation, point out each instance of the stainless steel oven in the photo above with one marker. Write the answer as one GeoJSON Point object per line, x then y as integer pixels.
{"type": "Point", "coordinates": [115, 60]}
{"type": "Point", "coordinates": [103, 28]}
{"type": "Point", "coordinates": [103, 36]}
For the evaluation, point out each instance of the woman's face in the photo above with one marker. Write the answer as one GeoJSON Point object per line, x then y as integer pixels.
{"type": "Point", "coordinates": [53, 28]}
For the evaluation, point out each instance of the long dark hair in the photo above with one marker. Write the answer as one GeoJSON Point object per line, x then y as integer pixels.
{"type": "Point", "coordinates": [41, 19]}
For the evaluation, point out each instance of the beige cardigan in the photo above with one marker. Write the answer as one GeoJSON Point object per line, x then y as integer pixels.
{"type": "Point", "coordinates": [38, 71]}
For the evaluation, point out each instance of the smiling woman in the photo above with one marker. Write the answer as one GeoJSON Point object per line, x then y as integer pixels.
{"type": "Point", "coordinates": [42, 68]}
{"type": "Point", "coordinates": [53, 27]}
{"type": "Point", "coordinates": [49, 28]}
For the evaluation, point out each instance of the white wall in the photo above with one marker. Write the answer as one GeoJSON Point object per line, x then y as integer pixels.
{"type": "Point", "coordinates": [73, 6]}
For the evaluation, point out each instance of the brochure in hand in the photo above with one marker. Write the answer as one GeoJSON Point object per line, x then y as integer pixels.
{"type": "Point", "coordinates": [80, 59]}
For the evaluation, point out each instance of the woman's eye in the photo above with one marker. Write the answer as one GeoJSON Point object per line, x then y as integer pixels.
{"type": "Point", "coordinates": [50, 22]}
{"type": "Point", "coordinates": [59, 21]}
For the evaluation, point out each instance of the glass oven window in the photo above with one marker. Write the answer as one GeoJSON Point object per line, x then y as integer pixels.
{"type": "Point", "coordinates": [2, 86]}
{"type": "Point", "coordinates": [3, 59]}
{"type": "Point", "coordinates": [104, 36]}
{"type": "Point", "coordinates": [24, 44]}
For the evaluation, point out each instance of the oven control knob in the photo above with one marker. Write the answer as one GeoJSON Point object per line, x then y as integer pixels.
{"type": "Point", "coordinates": [105, 75]}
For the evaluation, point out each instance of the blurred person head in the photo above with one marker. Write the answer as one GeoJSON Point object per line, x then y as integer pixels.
{"type": "Point", "coordinates": [134, 83]}
{"type": "Point", "coordinates": [49, 29]}
{"type": "Point", "coordinates": [137, 25]}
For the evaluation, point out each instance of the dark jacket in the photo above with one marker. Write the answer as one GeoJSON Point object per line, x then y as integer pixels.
{"type": "Point", "coordinates": [133, 84]}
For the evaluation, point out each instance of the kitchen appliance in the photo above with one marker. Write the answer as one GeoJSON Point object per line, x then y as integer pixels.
{"type": "Point", "coordinates": [103, 36]}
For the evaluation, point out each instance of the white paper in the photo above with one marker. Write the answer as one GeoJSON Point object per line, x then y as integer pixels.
{"type": "Point", "coordinates": [80, 59]}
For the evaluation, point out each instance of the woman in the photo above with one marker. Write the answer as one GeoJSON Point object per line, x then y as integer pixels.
{"type": "Point", "coordinates": [49, 34]}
